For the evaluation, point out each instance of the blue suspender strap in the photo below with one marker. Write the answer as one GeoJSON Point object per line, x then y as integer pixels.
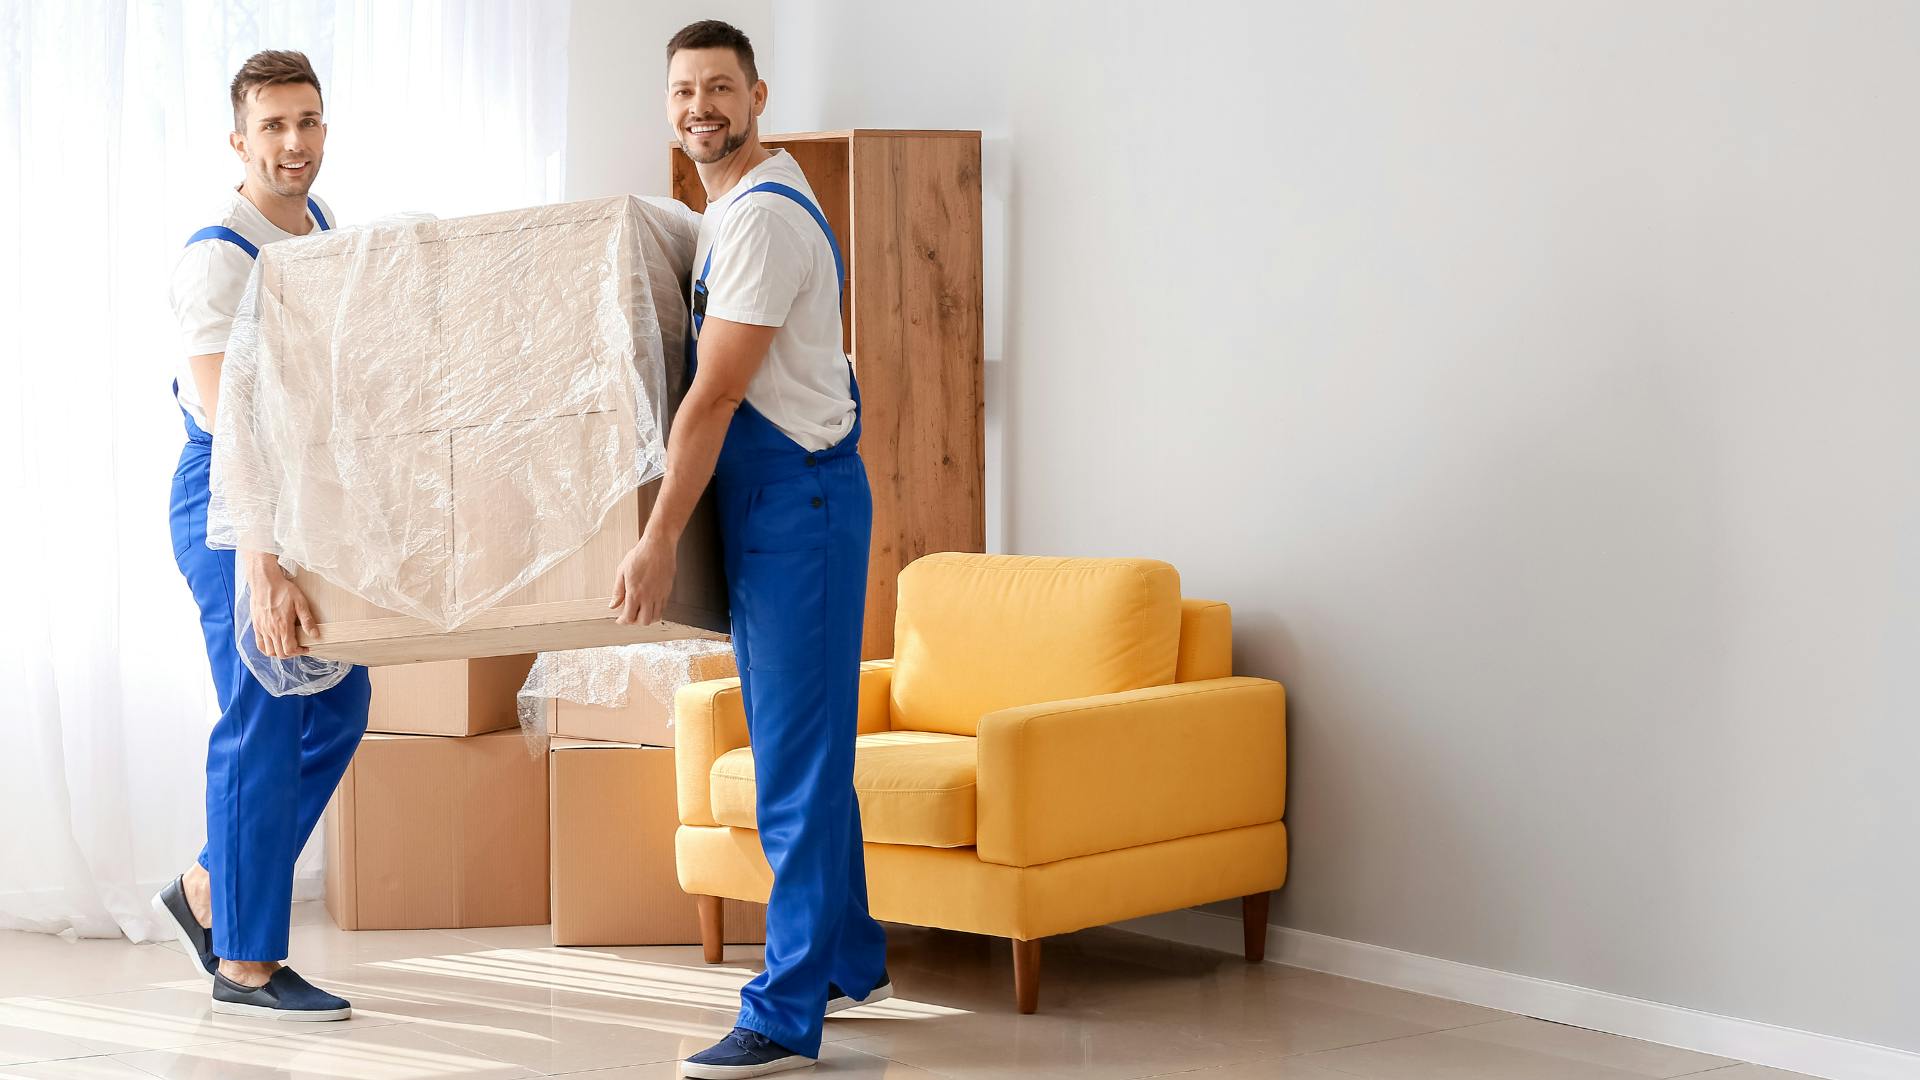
{"type": "Point", "coordinates": [839, 264]}
{"type": "Point", "coordinates": [221, 232]}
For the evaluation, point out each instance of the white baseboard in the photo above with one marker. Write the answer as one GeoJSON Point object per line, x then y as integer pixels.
{"type": "Point", "coordinates": [1650, 1021]}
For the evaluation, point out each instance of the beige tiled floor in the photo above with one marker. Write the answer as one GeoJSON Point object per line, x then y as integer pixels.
{"type": "Point", "coordinates": [501, 1003]}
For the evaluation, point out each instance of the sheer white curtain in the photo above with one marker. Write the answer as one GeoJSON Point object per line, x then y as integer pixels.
{"type": "Point", "coordinates": [113, 122]}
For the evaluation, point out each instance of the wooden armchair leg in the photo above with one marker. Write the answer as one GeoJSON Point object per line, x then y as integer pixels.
{"type": "Point", "coordinates": [1026, 975]}
{"type": "Point", "coordinates": [713, 928]}
{"type": "Point", "coordinates": [1253, 914]}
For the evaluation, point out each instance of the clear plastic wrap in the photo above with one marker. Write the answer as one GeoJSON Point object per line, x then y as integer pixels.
{"type": "Point", "coordinates": [431, 414]}
{"type": "Point", "coordinates": [609, 677]}
{"type": "Point", "coordinates": [292, 675]}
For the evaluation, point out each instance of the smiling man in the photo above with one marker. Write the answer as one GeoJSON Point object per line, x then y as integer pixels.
{"type": "Point", "coordinates": [272, 762]}
{"type": "Point", "coordinates": [772, 418]}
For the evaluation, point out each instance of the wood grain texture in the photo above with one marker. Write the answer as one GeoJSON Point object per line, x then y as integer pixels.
{"type": "Point", "coordinates": [686, 184]}
{"type": "Point", "coordinates": [918, 353]}
{"type": "Point", "coordinates": [1026, 976]}
{"type": "Point", "coordinates": [851, 133]}
{"type": "Point", "coordinates": [713, 928]}
{"type": "Point", "coordinates": [1253, 917]}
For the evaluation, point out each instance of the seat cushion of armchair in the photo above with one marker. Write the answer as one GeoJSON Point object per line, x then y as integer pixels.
{"type": "Point", "coordinates": [915, 787]}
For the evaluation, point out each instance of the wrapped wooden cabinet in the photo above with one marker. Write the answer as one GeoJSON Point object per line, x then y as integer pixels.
{"type": "Point", "coordinates": [905, 206]}
{"type": "Point", "coordinates": [443, 424]}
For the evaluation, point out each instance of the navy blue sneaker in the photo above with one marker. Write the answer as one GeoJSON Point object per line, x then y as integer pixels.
{"type": "Point", "coordinates": [286, 996]}
{"type": "Point", "coordinates": [196, 939]}
{"type": "Point", "coordinates": [742, 1053]}
{"type": "Point", "coordinates": [839, 1000]}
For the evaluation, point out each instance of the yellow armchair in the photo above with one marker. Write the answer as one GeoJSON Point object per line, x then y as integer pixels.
{"type": "Point", "coordinates": [1057, 744]}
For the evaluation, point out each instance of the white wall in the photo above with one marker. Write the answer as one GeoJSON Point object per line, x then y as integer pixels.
{"type": "Point", "coordinates": [1535, 380]}
{"type": "Point", "coordinates": [617, 133]}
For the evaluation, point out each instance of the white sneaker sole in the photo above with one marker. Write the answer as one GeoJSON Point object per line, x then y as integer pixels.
{"type": "Point", "coordinates": [186, 943]}
{"type": "Point", "coordinates": [728, 1072]}
{"type": "Point", "coordinates": [842, 1004]}
{"type": "Point", "coordinates": [298, 1016]}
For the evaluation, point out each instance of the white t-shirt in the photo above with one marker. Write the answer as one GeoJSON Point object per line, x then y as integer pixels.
{"type": "Point", "coordinates": [772, 267]}
{"type": "Point", "coordinates": [210, 279]}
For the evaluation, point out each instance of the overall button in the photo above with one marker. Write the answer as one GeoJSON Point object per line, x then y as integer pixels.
{"type": "Point", "coordinates": [817, 503]}
{"type": "Point", "coordinates": [812, 461]}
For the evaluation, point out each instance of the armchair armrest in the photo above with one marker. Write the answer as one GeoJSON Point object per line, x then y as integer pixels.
{"type": "Point", "coordinates": [1070, 778]}
{"type": "Point", "coordinates": [710, 719]}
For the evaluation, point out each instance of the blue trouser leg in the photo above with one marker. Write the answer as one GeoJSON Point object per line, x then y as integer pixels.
{"type": "Point", "coordinates": [797, 573]}
{"type": "Point", "coordinates": [330, 733]}
{"type": "Point", "coordinates": [860, 954]}
{"type": "Point", "coordinates": [272, 763]}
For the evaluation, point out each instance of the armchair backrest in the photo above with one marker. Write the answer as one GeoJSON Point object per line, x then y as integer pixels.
{"type": "Point", "coordinates": [978, 633]}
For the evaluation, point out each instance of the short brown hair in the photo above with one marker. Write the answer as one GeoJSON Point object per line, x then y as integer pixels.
{"type": "Point", "coordinates": [714, 34]}
{"type": "Point", "coordinates": [274, 67]}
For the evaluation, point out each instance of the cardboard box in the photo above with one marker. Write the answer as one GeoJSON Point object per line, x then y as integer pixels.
{"type": "Point", "coordinates": [614, 875]}
{"type": "Point", "coordinates": [451, 697]}
{"type": "Point", "coordinates": [644, 718]}
{"type": "Point", "coordinates": [435, 833]}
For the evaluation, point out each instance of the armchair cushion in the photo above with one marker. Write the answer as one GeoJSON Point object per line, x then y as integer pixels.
{"type": "Point", "coordinates": [710, 719]}
{"type": "Point", "coordinates": [978, 633]}
{"type": "Point", "coordinates": [915, 788]}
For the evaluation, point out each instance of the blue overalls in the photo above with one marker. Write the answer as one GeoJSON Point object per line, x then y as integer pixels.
{"type": "Point", "coordinates": [794, 530]}
{"type": "Point", "coordinates": [272, 762]}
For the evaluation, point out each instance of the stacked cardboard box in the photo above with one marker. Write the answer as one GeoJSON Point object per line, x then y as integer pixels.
{"type": "Point", "coordinates": [611, 777]}
{"type": "Point", "coordinates": [448, 818]}
{"type": "Point", "coordinates": [441, 820]}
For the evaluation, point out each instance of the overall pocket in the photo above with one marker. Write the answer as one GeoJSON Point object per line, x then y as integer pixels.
{"type": "Point", "coordinates": [787, 515]}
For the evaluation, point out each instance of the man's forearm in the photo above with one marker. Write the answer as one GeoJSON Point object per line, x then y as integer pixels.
{"type": "Point", "coordinates": [257, 566]}
{"type": "Point", "coordinates": [693, 449]}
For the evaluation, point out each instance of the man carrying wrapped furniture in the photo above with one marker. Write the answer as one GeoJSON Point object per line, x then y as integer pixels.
{"type": "Point", "coordinates": [272, 762]}
{"type": "Point", "coordinates": [773, 419]}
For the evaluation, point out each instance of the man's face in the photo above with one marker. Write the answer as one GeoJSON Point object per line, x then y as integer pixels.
{"type": "Point", "coordinates": [710, 105]}
{"type": "Point", "coordinates": [283, 138]}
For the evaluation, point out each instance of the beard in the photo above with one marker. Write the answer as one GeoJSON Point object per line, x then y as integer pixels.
{"type": "Point", "coordinates": [282, 184]}
{"type": "Point", "coordinates": [733, 142]}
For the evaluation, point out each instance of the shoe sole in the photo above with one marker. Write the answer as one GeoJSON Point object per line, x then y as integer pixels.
{"type": "Point", "coordinates": [840, 1005]}
{"type": "Point", "coordinates": [729, 1072]}
{"type": "Point", "coordinates": [264, 1012]}
{"type": "Point", "coordinates": [180, 935]}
